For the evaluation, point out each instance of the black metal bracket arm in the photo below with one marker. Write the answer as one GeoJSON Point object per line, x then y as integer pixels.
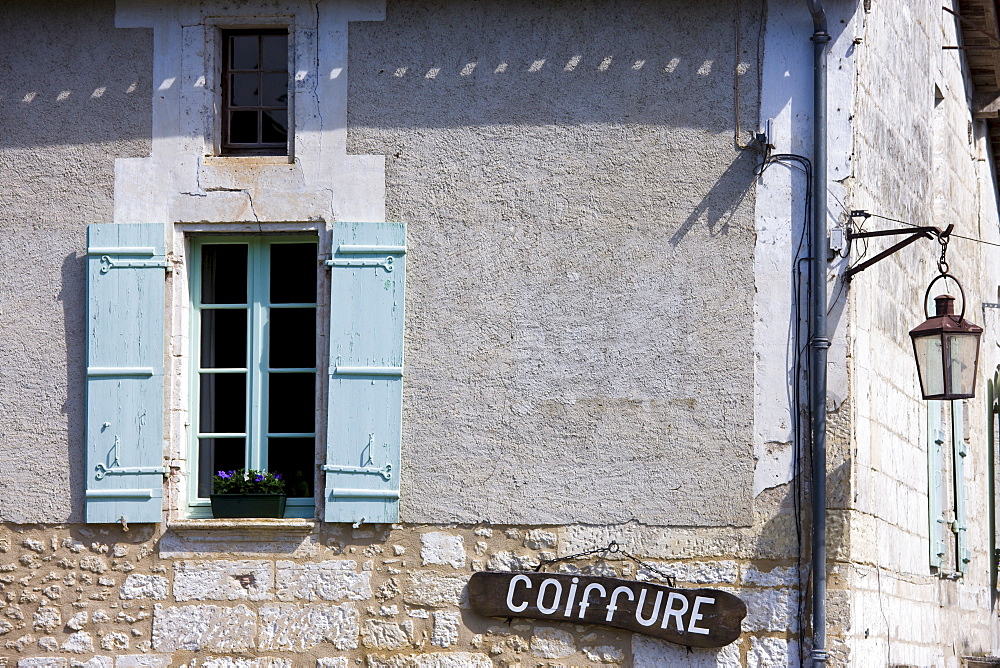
{"type": "Point", "coordinates": [914, 233]}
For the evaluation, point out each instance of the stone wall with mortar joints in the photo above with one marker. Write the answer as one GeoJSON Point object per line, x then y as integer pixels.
{"type": "Point", "coordinates": [925, 167]}
{"type": "Point", "coordinates": [395, 597]}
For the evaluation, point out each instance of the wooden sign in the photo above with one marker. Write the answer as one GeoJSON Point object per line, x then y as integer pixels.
{"type": "Point", "coordinates": [692, 617]}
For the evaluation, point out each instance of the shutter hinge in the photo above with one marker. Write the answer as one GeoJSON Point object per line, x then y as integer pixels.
{"type": "Point", "coordinates": [107, 264]}
{"type": "Point", "coordinates": [385, 471]}
{"type": "Point", "coordinates": [385, 264]}
{"type": "Point", "coordinates": [103, 470]}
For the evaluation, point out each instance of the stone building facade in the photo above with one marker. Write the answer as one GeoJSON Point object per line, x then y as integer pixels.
{"type": "Point", "coordinates": [602, 311]}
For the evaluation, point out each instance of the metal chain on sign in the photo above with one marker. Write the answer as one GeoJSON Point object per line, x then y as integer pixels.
{"type": "Point", "coordinates": [612, 548]}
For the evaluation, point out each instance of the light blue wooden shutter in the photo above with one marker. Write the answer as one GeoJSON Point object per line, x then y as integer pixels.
{"type": "Point", "coordinates": [935, 480]}
{"type": "Point", "coordinates": [125, 292]}
{"type": "Point", "coordinates": [364, 422]}
{"type": "Point", "coordinates": [963, 556]}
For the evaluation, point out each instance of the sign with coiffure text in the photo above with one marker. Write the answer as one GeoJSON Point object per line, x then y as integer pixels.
{"type": "Point", "coordinates": [692, 617]}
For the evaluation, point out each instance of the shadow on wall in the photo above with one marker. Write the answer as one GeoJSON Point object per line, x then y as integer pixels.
{"type": "Point", "coordinates": [73, 296]}
{"type": "Point", "coordinates": [718, 209]}
{"type": "Point", "coordinates": [494, 63]}
{"type": "Point", "coordinates": [68, 76]}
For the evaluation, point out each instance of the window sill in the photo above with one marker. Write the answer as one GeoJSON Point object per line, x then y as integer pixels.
{"type": "Point", "coordinates": [247, 160]}
{"type": "Point", "coordinates": [244, 528]}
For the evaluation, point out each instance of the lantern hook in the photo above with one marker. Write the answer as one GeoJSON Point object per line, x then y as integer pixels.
{"type": "Point", "coordinates": [942, 264]}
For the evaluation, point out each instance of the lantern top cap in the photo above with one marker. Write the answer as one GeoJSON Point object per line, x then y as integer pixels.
{"type": "Point", "coordinates": [944, 305]}
{"type": "Point", "coordinates": [945, 321]}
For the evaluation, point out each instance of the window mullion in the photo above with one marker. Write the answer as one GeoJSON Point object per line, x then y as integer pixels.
{"type": "Point", "coordinates": [257, 362]}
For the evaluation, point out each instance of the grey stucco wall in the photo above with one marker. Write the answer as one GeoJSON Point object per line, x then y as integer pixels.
{"type": "Point", "coordinates": [74, 95]}
{"type": "Point", "coordinates": [580, 286]}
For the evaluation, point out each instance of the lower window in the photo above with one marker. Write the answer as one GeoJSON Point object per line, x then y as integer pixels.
{"type": "Point", "coordinates": [254, 394]}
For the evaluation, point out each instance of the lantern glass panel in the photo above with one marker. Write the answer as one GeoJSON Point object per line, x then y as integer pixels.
{"type": "Point", "coordinates": [961, 360]}
{"type": "Point", "coordinates": [930, 363]}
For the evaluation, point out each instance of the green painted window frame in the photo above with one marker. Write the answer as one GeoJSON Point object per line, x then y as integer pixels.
{"type": "Point", "coordinates": [258, 309]}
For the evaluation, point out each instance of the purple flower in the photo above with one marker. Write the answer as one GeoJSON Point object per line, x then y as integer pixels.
{"type": "Point", "coordinates": [259, 478]}
{"type": "Point", "coordinates": [224, 475]}
{"type": "Point", "coordinates": [277, 476]}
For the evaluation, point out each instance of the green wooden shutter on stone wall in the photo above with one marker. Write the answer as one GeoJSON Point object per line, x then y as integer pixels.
{"type": "Point", "coordinates": [125, 299]}
{"type": "Point", "coordinates": [364, 422]}
{"type": "Point", "coordinates": [935, 480]}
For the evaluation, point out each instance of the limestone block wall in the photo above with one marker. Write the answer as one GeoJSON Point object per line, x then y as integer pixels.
{"type": "Point", "coordinates": [919, 157]}
{"type": "Point", "coordinates": [387, 597]}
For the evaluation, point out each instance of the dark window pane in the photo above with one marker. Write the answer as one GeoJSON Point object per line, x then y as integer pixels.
{"type": "Point", "coordinates": [292, 338]}
{"type": "Point", "coordinates": [223, 339]}
{"type": "Point", "coordinates": [244, 90]}
{"type": "Point", "coordinates": [274, 127]}
{"type": "Point", "coordinates": [275, 52]}
{"type": "Point", "coordinates": [223, 403]}
{"type": "Point", "coordinates": [243, 127]}
{"type": "Point", "coordinates": [218, 454]}
{"type": "Point", "coordinates": [291, 399]}
{"type": "Point", "coordinates": [246, 52]}
{"type": "Point", "coordinates": [295, 460]}
{"type": "Point", "coordinates": [223, 274]}
{"type": "Point", "coordinates": [274, 90]}
{"type": "Point", "coordinates": [293, 273]}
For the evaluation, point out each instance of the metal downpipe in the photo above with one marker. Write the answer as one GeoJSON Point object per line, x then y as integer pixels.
{"type": "Point", "coordinates": [818, 340]}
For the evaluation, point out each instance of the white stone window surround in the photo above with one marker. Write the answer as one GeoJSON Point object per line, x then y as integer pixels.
{"type": "Point", "coordinates": [185, 181]}
{"type": "Point", "coordinates": [179, 388]}
{"type": "Point", "coordinates": [185, 184]}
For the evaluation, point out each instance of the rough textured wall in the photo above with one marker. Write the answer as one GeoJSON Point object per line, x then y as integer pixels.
{"type": "Point", "coordinates": [74, 95]}
{"type": "Point", "coordinates": [91, 597]}
{"type": "Point", "coordinates": [580, 252]}
{"type": "Point", "coordinates": [925, 163]}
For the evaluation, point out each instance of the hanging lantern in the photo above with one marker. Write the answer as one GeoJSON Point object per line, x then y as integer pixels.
{"type": "Point", "coordinates": [947, 350]}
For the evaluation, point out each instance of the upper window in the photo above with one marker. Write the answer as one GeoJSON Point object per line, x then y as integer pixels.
{"type": "Point", "coordinates": [255, 305]}
{"type": "Point", "coordinates": [255, 92]}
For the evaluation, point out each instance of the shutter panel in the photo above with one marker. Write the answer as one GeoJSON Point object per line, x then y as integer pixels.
{"type": "Point", "coordinates": [991, 472]}
{"type": "Point", "coordinates": [125, 299]}
{"type": "Point", "coordinates": [364, 420]}
{"type": "Point", "coordinates": [935, 465]}
{"type": "Point", "coordinates": [963, 556]}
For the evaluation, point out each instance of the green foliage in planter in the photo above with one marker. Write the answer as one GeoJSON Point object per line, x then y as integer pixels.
{"type": "Point", "coordinates": [247, 481]}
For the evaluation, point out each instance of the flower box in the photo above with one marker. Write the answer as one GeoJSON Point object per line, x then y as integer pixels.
{"type": "Point", "coordinates": [248, 493]}
{"type": "Point", "coordinates": [248, 505]}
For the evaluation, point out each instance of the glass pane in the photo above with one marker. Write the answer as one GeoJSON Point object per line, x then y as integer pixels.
{"type": "Point", "coordinates": [962, 354]}
{"type": "Point", "coordinates": [223, 403]}
{"type": "Point", "coordinates": [218, 454]}
{"type": "Point", "coordinates": [292, 338]}
{"type": "Point", "coordinates": [295, 460]}
{"type": "Point", "coordinates": [246, 52]}
{"type": "Point", "coordinates": [243, 127]}
{"type": "Point", "coordinates": [224, 274]}
{"type": "Point", "coordinates": [223, 339]}
{"type": "Point", "coordinates": [930, 363]}
{"type": "Point", "coordinates": [274, 127]}
{"type": "Point", "coordinates": [244, 90]}
{"type": "Point", "coordinates": [275, 52]}
{"type": "Point", "coordinates": [293, 273]}
{"type": "Point", "coordinates": [274, 90]}
{"type": "Point", "coordinates": [291, 403]}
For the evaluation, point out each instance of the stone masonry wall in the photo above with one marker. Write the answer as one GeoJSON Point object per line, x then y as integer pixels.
{"type": "Point", "coordinates": [382, 597]}
{"type": "Point", "coordinates": [918, 157]}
